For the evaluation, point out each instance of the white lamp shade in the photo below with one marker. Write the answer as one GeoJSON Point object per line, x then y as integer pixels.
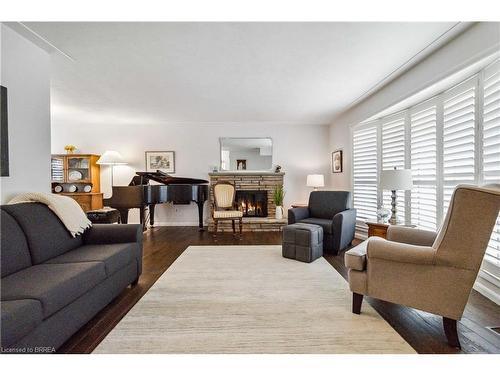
{"type": "Point", "coordinates": [111, 158]}
{"type": "Point", "coordinates": [396, 179]}
{"type": "Point", "coordinates": [315, 180]}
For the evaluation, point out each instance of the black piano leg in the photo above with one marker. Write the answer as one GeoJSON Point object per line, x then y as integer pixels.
{"type": "Point", "coordinates": [123, 215]}
{"type": "Point", "coordinates": [142, 218]}
{"type": "Point", "coordinates": [152, 214]}
{"type": "Point", "coordinates": [200, 216]}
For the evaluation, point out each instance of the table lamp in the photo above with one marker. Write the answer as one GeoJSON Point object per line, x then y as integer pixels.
{"type": "Point", "coordinates": [111, 158]}
{"type": "Point", "coordinates": [315, 181]}
{"type": "Point", "coordinates": [395, 179]}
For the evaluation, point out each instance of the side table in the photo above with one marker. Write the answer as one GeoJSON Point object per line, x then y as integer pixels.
{"type": "Point", "coordinates": [378, 229]}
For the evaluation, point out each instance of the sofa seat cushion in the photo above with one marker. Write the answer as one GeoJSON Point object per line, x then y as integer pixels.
{"type": "Point", "coordinates": [19, 317]}
{"type": "Point", "coordinates": [355, 258]}
{"type": "Point", "coordinates": [54, 285]}
{"type": "Point", "coordinates": [326, 224]}
{"type": "Point", "coordinates": [114, 256]}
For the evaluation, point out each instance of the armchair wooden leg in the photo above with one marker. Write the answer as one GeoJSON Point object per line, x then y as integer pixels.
{"type": "Point", "coordinates": [450, 330]}
{"type": "Point", "coordinates": [241, 226]}
{"type": "Point", "coordinates": [234, 227]}
{"type": "Point", "coordinates": [357, 300]}
{"type": "Point", "coordinates": [215, 228]}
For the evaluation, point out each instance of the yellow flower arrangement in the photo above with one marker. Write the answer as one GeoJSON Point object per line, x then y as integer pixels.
{"type": "Point", "coordinates": [70, 149]}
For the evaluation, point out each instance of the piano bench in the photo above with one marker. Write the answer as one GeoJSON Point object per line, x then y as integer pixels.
{"type": "Point", "coordinates": [105, 215]}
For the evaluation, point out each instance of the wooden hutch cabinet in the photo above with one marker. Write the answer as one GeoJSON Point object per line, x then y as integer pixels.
{"type": "Point", "coordinates": [78, 176]}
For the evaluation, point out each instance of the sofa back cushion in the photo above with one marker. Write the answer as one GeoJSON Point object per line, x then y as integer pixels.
{"type": "Point", "coordinates": [46, 235]}
{"type": "Point", "coordinates": [326, 204]}
{"type": "Point", "coordinates": [14, 252]}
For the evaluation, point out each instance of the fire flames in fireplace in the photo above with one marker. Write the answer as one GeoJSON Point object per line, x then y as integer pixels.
{"type": "Point", "coordinates": [252, 203]}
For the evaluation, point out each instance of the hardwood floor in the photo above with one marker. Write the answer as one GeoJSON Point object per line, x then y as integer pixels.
{"type": "Point", "coordinates": [423, 331]}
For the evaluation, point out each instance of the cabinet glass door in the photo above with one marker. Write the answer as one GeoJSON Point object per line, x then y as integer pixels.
{"type": "Point", "coordinates": [78, 169]}
{"type": "Point", "coordinates": [57, 169]}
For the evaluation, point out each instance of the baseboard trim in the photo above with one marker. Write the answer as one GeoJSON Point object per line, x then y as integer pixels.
{"type": "Point", "coordinates": [177, 224]}
{"type": "Point", "coordinates": [485, 291]}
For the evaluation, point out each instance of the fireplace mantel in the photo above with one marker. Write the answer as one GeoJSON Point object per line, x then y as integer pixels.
{"type": "Point", "coordinates": [251, 180]}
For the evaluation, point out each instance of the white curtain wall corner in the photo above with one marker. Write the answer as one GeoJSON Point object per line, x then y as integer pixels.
{"type": "Point", "coordinates": [449, 139]}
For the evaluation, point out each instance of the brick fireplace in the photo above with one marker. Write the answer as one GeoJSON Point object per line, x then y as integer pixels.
{"type": "Point", "coordinates": [254, 196]}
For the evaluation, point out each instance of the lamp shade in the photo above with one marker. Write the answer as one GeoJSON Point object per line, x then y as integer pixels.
{"type": "Point", "coordinates": [111, 158]}
{"type": "Point", "coordinates": [315, 180]}
{"type": "Point", "coordinates": [396, 179]}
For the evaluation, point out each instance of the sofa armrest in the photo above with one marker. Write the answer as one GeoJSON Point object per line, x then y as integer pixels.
{"type": "Point", "coordinates": [378, 248]}
{"type": "Point", "coordinates": [297, 214]}
{"type": "Point", "coordinates": [413, 236]}
{"type": "Point", "coordinates": [113, 233]}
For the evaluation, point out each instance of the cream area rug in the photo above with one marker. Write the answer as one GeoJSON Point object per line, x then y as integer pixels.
{"type": "Point", "coordinates": [249, 299]}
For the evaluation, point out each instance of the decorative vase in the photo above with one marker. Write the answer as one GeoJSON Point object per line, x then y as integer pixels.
{"type": "Point", "coordinates": [279, 212]}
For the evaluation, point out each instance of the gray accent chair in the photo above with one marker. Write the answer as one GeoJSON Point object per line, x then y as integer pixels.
{"type": "Point", "coordinates": [52, 284]}
{"type": "Point", "coordinates": [332, 211]}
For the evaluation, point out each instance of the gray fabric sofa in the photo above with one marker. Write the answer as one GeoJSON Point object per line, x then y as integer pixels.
{"type": "Point", "coordinates": [52, 284]}
{"type": "Point", "coordinates": [332, 211]}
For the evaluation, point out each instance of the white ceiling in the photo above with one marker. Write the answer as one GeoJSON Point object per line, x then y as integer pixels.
{"type": "Point", "coordinates": [223, 72]}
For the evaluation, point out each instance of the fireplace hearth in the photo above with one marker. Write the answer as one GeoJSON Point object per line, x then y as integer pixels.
{"type": "Point", "coordinates": [253, 203]}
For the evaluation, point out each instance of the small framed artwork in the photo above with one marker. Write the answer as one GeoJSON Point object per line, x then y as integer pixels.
{"type": "Point", "coordinates": [337, 161]}
{"type": "Point", "coordinates": [163, 161]}
{"type": "Point", "coordinates": [241, 164]}
{"type": "Point", "coordinates": [4, 136]}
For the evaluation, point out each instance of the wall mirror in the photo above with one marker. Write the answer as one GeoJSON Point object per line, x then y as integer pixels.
{"type": "Point", "coordinates": [250, 154]}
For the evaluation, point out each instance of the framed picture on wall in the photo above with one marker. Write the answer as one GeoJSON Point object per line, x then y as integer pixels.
{"type": "Point", "coordinates": [4, 136]}
{"type": "Point", "coordinates": [337, 161]}
{"type": "Point", "coordinates": [241, 164]}
{"type": "Point", "coordinates": [163, 161]}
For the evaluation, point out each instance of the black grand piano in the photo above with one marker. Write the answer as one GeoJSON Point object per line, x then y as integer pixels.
{"type": "Point", "coordinates": [140, 194]}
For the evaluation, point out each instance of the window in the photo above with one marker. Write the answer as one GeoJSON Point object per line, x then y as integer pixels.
{"type": "Point", "coordinates": [423, 157]}
{"type": "Point", "coordinates": [491, 147]}
{"type": "Point", "coordinates": [458, 138]}
{"type": "Point", "coordinates": [450, 139]}
{"type": "Point", "coordinates": [393, 156]}
{"type": "Point", "coordinates": [365, 171]}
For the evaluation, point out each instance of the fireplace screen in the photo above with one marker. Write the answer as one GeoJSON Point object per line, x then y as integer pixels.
{"type": "Point", "coordinates": [252, 202]}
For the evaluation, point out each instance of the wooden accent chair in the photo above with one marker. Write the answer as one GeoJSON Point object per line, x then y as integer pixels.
{"type": "Point", "coordinates": [429, 271]}
{"type": "Point", "coordinates": [224, 207]}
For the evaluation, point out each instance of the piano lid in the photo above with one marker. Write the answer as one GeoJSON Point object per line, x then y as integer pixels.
{"type": "Point", "coordinates": [143, 178]}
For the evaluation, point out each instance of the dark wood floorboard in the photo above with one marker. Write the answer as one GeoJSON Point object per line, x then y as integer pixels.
{"type": "Point", "coordinates": [423, 331]}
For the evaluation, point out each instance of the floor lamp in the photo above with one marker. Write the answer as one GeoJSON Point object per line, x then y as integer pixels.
{"type": "Point", "coordinates": [111, 158]}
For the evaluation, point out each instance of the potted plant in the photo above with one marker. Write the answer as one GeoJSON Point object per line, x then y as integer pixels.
{"type": "Point", "coordinates": [279, 194]}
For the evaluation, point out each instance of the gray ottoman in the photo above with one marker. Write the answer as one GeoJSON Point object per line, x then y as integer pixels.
{"type": "Point", "coordinates": [303, 242]}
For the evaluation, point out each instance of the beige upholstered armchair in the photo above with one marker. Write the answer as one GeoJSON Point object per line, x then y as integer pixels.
{"type": "Point", "coordinates": [224, 206]}
{"type": "Point", "coordinates": [429, 271]}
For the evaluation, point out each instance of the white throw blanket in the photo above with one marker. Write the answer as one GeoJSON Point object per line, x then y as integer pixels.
{"type": "Point", "coordinates": [66, 209]}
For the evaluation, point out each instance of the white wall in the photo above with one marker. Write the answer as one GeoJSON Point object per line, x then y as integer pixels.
{"type": "Point", "coordinates": [479, 41]}
{"type": "Point", "coordinates": [25, 71]}
{"type": "Point", "coordinates": [299, 149]}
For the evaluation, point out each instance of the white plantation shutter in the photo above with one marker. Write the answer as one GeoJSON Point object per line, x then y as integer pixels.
{"type": "Point", "coordinates": [423, 157]}
{"type": "Point", "coordinates": [365, 172]}
{"type": "Point", "coordinates": [393, 156]}
{"type": "Point", "coordinates": [491, 148]}
{"type": "Point", "coordinates": [459, 118]}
